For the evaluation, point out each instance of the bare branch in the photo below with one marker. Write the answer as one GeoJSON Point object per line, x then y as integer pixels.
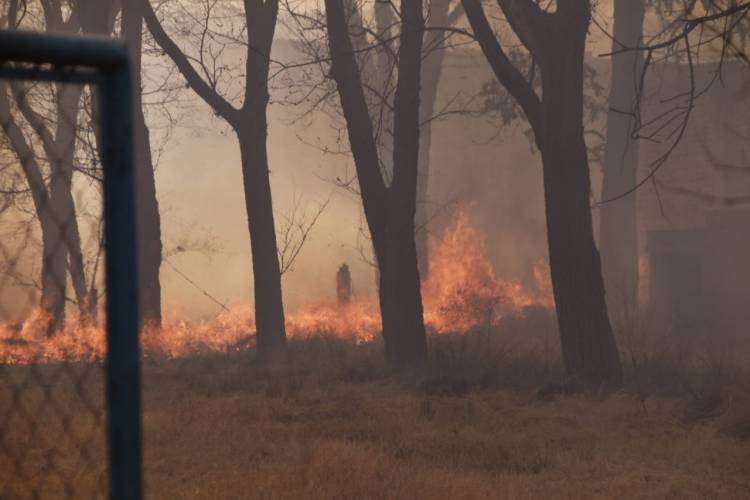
{"type": "Point", "coordinates": [208, 93]}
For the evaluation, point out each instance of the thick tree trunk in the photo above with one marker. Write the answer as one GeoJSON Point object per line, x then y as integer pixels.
{"type": "Point", "coordinates": [251, 126]}
{"type": "Point", "coordinates": [557, 41]}
{"type": "Point", "coordinates": [148, 228]}
{"type": "Point", "coordinates": [147, 205]}
{"type": "Point", "coordinates": [618, 236]}
{"type": "Point", "coordinates": [389, 210]}
{"type": "Point", "coordinates": [269, 309]}
{"type": "Point", "coordinates": [77, 270]}
{"type": "Point", "coordinates": [403, 323]}
{"type": "Point", "coordinates": [61, 188]}
{"type": "Point", "coordinates": [53, 274]}
{"type": "Point", "coordinates": [588, 345]}
{"type": "Point", "coordinates": [60, 237]}
{"type": "Point", "coordinates": [54, 266]}
{"type": "Point", "coordinates": [401, 298]}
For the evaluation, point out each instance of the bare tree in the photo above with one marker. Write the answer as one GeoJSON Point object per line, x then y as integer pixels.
{"type": "Point", "coordinates": [56, 128]}
{"type": "Point", "coordinates": [435, 45]}
{"type": "Point", "coordinates": [715, 31]}
{"type": "Point", "coordinates": [250, 123]}
{"type": "Point", "coordinates": [556, 41]}
{"type": "Point", "coordinates": [147, 206]}
{"type": "Point", "coordinates": [389, 208]}
{"type": "Point", "coordinates": [618, 234]}
{"type": "Point", "coordinates": [295, 230]}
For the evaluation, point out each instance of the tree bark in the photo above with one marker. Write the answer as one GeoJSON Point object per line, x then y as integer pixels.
{"type": "Point", "coordinates": [269, 309]}
{"type": "Point", "coordinates": [54, 273]}
{"type": "Point", "coordinates": [403, 320]}
{"type": "Point", "coordinates": [588, 344]}
{"type": "Point", "coordinates": [61, 240]}
{"type": "Point", "coordinates": [618, 233]}
{"type": "Point", "coordinates": [147, 206]}
{"type": "Point", "coordinates": [557, 42]}
{"type": "Point", "coordinates": [432, 69]}
{"type": "Point", "coordinates": [401, 297]}
{"type": "Point", "coordinates": [54, 204]}
{"type": "Point", "coordinates": [61, 188]}
{"type": "Point", "coordinates": [250, 123]}
{"type": "Point", "coordinates": [389, 210]}
{"type": "Point", "coordinates": [252, 131]}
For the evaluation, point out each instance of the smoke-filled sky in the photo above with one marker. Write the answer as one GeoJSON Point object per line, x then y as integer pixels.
{"type": "Point", "coordinates": [199, 186]}
{"type": "Point", "coordinates": [475, 162]}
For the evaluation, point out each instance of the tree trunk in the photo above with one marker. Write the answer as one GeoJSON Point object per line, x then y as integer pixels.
{"type": "Point", "coordinates": [147, 205]}
{"type": "Point", "coordinates": [269, 309]}
{"type": "Point", "coordinates": [401, 298]}
{"type": "Point", "coordinates": [251, 126]}
{"type": "Point", "coordinates": [60, 237]}
{"type": "Point", "coordinates": [588, 345]}
{"type": "Point", "coordinates": [421, 233]}
{"type": "Point", "coordinates": [432, 69]}
{"type": "Point", "coordinates": [557, 42]}
{"type": "Point", "coordinates": [61, 188]}
{"type": "Point", "coordinates": [618, 236]}
{"type": "Point", "coordinates": [54, 266]}
{"type": "Point", "coordinates": [53, 276]}
{"type": "Point", "coordinates": [403, 323]}
{"type": "Point", "coordinates": [389, 210]}
{"type": "Point", "coordinates": [77, 270]}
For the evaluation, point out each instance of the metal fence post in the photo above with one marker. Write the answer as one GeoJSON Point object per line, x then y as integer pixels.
{"type": "Point", "coordinates": [103, 63]}
{"type": "Point", "coordinates": [123, 360]}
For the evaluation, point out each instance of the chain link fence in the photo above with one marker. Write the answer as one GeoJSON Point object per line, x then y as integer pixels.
{"type": "Point", "coordinates": [69, 388]}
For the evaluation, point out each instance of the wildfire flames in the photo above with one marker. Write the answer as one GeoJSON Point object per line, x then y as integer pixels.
{"type": "Point", "coordinates": [461, 293]}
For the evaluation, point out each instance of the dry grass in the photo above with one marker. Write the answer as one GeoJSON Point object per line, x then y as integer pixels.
{"type": "Point", "coordinates": [337, 424]}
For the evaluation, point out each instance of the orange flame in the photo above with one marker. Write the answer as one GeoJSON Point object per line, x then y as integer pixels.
{"type": "Point", "coordinates": [462, 292]}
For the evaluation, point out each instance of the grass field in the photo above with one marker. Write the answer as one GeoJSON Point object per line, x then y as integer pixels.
{"type": "Point", "coordinates": [336, 424]}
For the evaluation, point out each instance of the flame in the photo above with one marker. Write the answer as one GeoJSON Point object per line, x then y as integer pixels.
{"type": "Point", "coordinates": [462, 292]}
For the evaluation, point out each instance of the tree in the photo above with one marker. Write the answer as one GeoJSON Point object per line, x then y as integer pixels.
{"type": "Point", "coordinates": [250, 124]}
{"type": "Point", "coordinates": [389, 208]}
{"type": "Point", "coordinates": [440, 15]}
{"type": "Point", "coordinates": [147, 206]}
{"type": "Point", "coordinates": [57, 132]}
{"type": "Point", "coordinates": [54, 278]}
{"type": "Point", "coordinates": [556, 41]}
{"type": "Point", "coordinates": [712, 31]}
{"type": "Point", "coordinates": [618, 234]}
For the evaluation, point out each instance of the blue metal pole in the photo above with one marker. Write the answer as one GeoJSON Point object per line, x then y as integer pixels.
{"type": "Point", "coordinates": [109, 59]}
{"type": "Point", "coordinates": [123, 360]}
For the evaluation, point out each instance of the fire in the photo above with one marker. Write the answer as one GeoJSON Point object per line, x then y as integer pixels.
{"type": "Point", "coordinates": [462, 292]}
{"type": "Point", "coordinates": [29, 343]}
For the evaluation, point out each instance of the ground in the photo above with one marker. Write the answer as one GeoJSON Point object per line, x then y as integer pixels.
{"type": "Point", "coordinates": [337, 424]}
